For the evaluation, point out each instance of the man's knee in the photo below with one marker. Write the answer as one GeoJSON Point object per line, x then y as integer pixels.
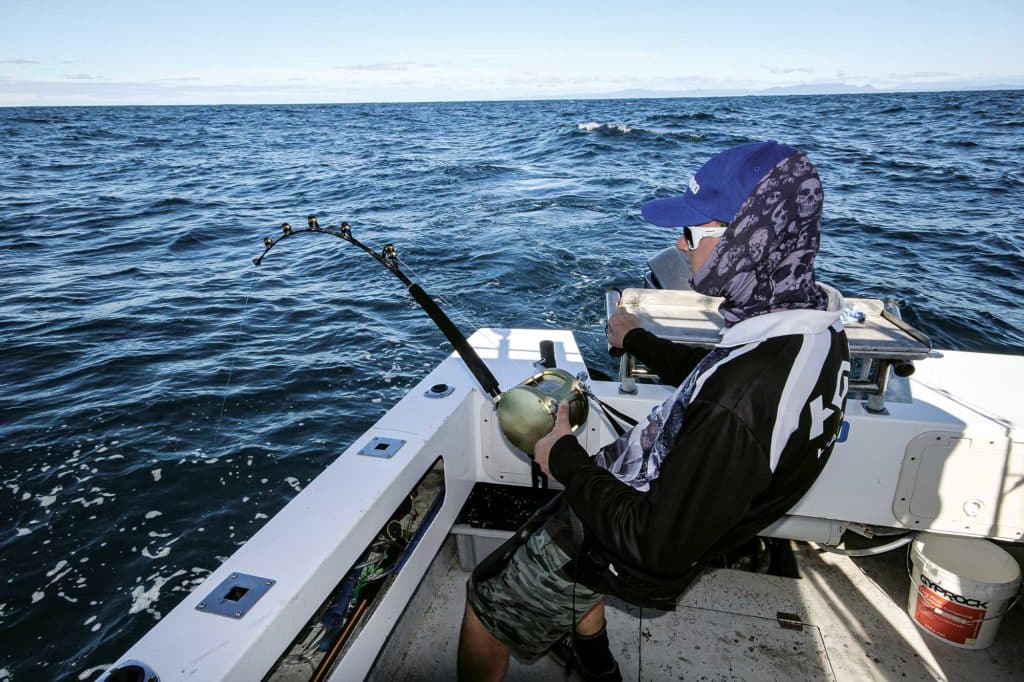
{"type": "Point", "coordinates": [482, 656]}
{"type": "Point", "coordinates": [592, 621]}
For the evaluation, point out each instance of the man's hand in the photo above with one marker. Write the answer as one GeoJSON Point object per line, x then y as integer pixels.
{"type": "Point", "coordinates": [620, 324]}
{"type": "Point", "coordinates": [542, 450]}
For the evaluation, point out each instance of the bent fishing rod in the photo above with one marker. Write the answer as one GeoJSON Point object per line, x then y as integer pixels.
{"type": "Point", "coordinates": [525, 412]}
{"type": "Point", "coordinates": [388, 257]}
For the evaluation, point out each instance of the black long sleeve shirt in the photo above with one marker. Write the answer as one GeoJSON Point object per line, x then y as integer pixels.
{"type": "Point", "coordinates": [754, 438]}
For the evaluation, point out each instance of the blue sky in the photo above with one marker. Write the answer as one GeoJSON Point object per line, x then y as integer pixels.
{"type": "Point", "coordinates": [210, 52]}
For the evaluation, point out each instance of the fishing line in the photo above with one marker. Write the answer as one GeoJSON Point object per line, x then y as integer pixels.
{"type": "Point", "coordinates": [461, 315]}
{"type": "Point", "coordinates": [640, 645]}
{"type": "Point", "coordinates": [231, 362]}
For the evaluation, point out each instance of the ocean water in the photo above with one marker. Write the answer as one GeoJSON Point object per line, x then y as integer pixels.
{"type": "Point", "coordinates": [161, 397]}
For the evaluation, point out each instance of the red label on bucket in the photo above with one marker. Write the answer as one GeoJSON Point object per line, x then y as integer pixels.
{"type": "Point", "coordinates": [951, 621]}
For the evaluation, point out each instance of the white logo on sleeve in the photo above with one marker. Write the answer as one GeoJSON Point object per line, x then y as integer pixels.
{"type": "Point", "coordinates": [821, 412]}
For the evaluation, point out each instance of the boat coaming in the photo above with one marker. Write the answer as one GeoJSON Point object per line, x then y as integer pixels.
{"type": "Point", "coordinates": [313, 541]}
{"type": "Point", "coordinates": [308, 546]}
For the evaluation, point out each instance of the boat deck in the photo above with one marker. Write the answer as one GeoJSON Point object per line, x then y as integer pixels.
{"type": "Point", "coordinates": [853, 626]}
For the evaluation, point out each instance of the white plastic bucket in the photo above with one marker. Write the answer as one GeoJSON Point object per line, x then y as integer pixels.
{"type": "Point", "coordinates": [960, 588]}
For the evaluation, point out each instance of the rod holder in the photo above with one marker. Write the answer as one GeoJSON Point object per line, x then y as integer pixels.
{"type": "Point", "coordinates": [547, 354]}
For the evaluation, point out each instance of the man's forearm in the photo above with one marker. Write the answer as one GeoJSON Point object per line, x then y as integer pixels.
{"type": "Point", "coordinates": [671, 361]}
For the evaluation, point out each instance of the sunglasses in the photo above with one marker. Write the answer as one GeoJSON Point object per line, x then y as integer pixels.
{"type": "Point", "coordinates": [693, 235]}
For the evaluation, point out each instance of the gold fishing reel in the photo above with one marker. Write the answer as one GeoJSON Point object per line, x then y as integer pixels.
{"type": "Point", "coordinates": [526, 413]}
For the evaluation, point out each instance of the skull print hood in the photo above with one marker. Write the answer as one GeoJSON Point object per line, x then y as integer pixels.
{"type": "Point", "coordinates": [765, 260]}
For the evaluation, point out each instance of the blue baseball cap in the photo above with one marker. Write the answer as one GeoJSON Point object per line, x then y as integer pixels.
{"type": "Point", "coordinates": [720, 187]}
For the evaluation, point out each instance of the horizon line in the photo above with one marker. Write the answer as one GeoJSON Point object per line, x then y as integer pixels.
{"type": "Point", "coordinates": [624, 95]}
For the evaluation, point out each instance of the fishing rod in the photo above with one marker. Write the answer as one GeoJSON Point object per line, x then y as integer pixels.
{"type": "Point", "coordinates": [526, 412]}
{"type": "Point", "coordinates": [388, 257]}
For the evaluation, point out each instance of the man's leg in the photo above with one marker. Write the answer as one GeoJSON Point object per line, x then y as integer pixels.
{"type": "Point", "coordinates": [482, 656]}
{"type": "Point", "coordinates": [592, 621]}
{"type": "Point", "coordinates": [589, 651]}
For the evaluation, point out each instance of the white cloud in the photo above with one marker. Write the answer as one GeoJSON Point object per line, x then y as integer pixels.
{"type": "Point", "coordinates": [786, 70]}
{"type": "Point", "coordinates": [922, 74]}
{"type": "Point", "coordinates": [388, 66]}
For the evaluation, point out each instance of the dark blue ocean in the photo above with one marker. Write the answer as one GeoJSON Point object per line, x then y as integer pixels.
{"type": "Point", "coordinates": [161, 397]}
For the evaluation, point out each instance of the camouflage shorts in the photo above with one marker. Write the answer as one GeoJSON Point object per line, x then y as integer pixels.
{"type": "Point", "coordinates": [529, 605]}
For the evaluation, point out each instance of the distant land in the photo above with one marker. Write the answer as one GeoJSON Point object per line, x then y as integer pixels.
{"type": "Point", "coordinates": [800, 89]}
{"type": "Point", "coordinates": [197, 93]}
{"type": "Point", "coordinates": [815, 89]}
